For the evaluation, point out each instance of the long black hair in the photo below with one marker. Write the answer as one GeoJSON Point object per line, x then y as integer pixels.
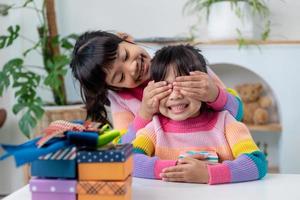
{"type": "Point", "coordinates": [185, 59]}
{"type": "Point", "coordinates": [92, 55]}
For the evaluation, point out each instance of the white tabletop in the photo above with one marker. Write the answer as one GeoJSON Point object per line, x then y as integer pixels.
{"type": "Point", "coordinates": [273, 186]}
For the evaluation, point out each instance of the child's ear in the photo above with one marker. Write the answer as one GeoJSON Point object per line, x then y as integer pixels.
{"type": "Point", "coordinates": [125, 36]}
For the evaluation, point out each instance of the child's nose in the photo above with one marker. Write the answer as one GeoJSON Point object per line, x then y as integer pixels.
{"type": "Point", "coordinates": [175, 94]}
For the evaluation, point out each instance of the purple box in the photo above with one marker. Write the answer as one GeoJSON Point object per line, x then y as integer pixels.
{"type": "Point", "coordinates": [52, 189]}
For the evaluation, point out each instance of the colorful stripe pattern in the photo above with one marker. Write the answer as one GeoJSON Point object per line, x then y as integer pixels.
{"type": "Point", "coordinates": [160, 143]}
{"type": "Point", "coordinates": [63, 154]}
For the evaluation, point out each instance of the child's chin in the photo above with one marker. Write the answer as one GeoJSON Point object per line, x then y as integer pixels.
{"type": "Point", "coordinates": [178, 117]}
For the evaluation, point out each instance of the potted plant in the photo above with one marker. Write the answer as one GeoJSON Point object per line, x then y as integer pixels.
{"type": "Point", "coordinates": [232, 19]}
{"type": "Point", "coordinates": [23, 77]}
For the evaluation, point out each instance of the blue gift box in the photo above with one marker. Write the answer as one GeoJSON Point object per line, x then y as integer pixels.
{"type": "Point", "coordinates": [60, 164]}
{"type": "Point", "coordinates": [117, 153]}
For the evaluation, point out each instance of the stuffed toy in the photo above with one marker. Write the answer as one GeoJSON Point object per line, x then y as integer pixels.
{"type": "Point", "coordinates": [255, 104]}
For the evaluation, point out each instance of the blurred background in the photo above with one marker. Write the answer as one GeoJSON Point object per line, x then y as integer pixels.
{"type": "Point", "coordinates": [272, 61]}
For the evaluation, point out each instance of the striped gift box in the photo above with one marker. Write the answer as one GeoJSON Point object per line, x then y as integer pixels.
{"type": "Point", "coordinates": [60, 164]}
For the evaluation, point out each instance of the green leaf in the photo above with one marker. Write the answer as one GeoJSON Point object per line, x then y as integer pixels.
{"type": "Point", "coordinates": [2, 41]}
{"type": "Point", "coordinates": [38, 111]}
{"type": "Point", "coordinates": [4, 82]}
{"type": "Point", "coordinates": [69, 41]}
{"type": "Point", "coordinates": [4, 9]}
{"type": "Point", "coordinates": [12, 64]}
{"type": "Point", "coordinates": [14, 34]}
{"type": "Point", "coordinates": [24, 124]}
{"type": "Point", "coordinates": [18, 107]}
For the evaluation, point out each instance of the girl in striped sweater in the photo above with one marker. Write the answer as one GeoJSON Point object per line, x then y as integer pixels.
{"type": "Point", "coordinates": [114, 71]}
{"type": "Point", "coordinates": [188, 125]}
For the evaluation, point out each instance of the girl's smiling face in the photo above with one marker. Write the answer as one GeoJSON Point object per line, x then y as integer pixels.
{"type": "Point", "coordinates": [130, 68]}
{"type": "Point", "coordinates": [176, 106]}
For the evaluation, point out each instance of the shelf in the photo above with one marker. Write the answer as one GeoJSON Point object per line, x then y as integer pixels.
{"type": "Point", "coordinates": [257, 42]}
{"type": "Point", "coordinates": [273, 127]}
{"type": "Point", "coordinates": [221, 42]}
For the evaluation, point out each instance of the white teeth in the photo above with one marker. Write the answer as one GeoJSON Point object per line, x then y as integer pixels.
{"type": "Point", "coordinates": [178, 107]}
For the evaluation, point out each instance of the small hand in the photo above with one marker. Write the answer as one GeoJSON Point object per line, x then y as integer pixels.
{"type": "Point", "coordinates": [153, 93]}
{"type": "Point", "coordinates": [198, 85]}
{"type": "Point", "coordinates": [187, 170]}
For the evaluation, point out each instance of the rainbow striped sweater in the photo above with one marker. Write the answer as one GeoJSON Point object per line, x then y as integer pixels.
{"type": "Point", "coordinates": [125, 106]}
{"type": "Point", "coordinates": [159, 144]}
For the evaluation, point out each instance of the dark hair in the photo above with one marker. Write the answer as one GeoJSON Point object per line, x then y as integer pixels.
{"type": "Point", "coordinates": [92, 54]}
{"type": "Point", "coordinates": [185, 59]}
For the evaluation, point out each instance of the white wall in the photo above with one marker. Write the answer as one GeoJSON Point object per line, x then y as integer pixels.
{"type": "Point", "coordinates": [144, 18]}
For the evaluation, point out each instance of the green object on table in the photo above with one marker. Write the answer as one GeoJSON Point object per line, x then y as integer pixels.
{"type": "Point", "coordinates": [107, 137]}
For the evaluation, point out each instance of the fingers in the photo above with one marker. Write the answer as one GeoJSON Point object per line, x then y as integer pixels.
{"type": "Point", "coordinates": [173, 169]}
{"type": "Point", "coordinates": [186, 160]}
{"type": "Point", "coordinates": [199, 156]}
{"type": "Point", "coordinates": [191, 94]}
{"type": "Point", "coordinates": [172, 176]}
{"type": "Point", "coordinates": [194, 76]}
{"type": "Point", "coordinates": [160, 92]}
{"type": "Point", "coordinates": [191, 84]}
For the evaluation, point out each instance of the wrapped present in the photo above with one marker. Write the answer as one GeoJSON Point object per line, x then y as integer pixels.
{"type": "Point", "coordinates": [60, 164]}
{"type": "Point", "coordinates": [211, 156]}
{"type": "Point", "coordinates": [104, 190]}
{"type": "Point", "coordinates": [109, 163]}
{"type": "Point", "coordinates": [52, 189]}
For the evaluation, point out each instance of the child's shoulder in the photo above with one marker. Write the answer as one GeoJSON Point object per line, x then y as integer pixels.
{"type": "Point", "coordinates": [226, 116]}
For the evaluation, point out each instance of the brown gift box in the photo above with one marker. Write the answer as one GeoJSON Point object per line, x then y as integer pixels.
{"type": "Point", "coordinates": [105, 170]}
{"type": "Point", "coordinates": [104, 190]}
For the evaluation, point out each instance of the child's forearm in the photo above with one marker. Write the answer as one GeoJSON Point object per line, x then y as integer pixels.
{"type": "Point", "coordinates": [246, 167]}
{"type": "Point", "coordinates": [228, 101]}
{"type": "Point", "coordinates": [149, 167]}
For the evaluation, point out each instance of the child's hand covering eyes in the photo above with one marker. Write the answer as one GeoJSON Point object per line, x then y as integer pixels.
{"type": "Point", "coordinates": [198, 86]}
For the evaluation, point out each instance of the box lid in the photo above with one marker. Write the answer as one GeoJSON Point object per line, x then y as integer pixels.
{"type": "Point", "coordinates": [117, 153]}
{"type": "Point", "coordinates": [52, 185]}
{"type": "Point", "coordinates": [104, 187]}
{"type": "Point", "coordinates": [62, 154]}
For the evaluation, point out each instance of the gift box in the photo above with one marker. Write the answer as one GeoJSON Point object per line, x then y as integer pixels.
{"type": "Point", "coordinates": [60, 164]}
{"type": "Point", "coordinates": [104, 190]}
{"type": "Point", "coordinates": [52, 189]}
{"type": "Point", "coordinates": [211, 156]}
{"type": "Point", "coordinates": [106, 163]}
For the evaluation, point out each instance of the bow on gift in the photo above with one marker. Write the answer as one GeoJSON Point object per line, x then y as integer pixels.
{"type": "Point", "coordinates": [62, 134]}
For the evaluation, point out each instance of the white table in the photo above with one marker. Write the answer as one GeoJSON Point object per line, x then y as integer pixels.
{"type": "Point", "coordinates": [273, 186]}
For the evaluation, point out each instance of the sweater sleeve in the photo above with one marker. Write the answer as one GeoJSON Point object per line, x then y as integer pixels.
{"type": "Point", "coordinates": [227, 98]}
{"type": "Point", "coordinates": [123, 118]}
{"type": "Point", "coordinates": [146, 165]}
{"type": "Point", "coordinates": [249, 162]}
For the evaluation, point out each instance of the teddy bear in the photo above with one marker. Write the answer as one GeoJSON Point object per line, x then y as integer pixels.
{"type": "Point", "coordinates": [255, 104]}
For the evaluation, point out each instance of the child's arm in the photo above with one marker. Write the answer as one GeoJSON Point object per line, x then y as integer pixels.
{"type": "Point", "coordinates": [123, 118]}
{"type": "Point", "coordinates": [209, 88]}
{"type": "Point", "coordinates": [229, 101]}
{"type": "Point", "coordinates": [145, 164]}
{"type": "Point", "coordinates": [249, 163]}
